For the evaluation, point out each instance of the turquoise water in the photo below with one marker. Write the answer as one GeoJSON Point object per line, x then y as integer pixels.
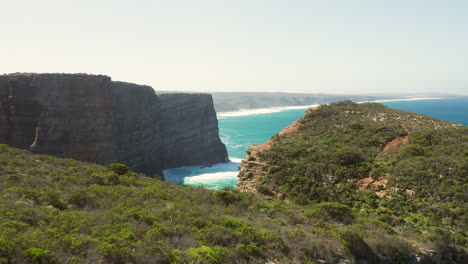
{"type": "Point", "coordinates": [240, 129]}
{"type": "Point", "coordinates": [237, 133]}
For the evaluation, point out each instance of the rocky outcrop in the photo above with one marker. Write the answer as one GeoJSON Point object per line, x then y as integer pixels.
{"type": "Point", "coordinates": [189, 121]}
{"type": "Point", "coordinates": [252, 172]}
{"type": "Point", "coordinates": [91, 118]}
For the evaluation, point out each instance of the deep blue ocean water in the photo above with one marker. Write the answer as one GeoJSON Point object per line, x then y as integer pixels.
{"type": "Point", "coordinates": [453, 110]}
{"type": "Point", "coordinates": [240, 129]}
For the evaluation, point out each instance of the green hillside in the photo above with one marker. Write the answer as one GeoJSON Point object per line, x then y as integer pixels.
{"type": "Point", "coordinates": [406, 170]}
{"type": "Point", "coordinates": [56, 210]}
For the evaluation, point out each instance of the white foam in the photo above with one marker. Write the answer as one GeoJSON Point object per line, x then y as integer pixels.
{"type": "Point", "coordinates": [259, 111]}
{"type": "Point", "coordinates": [276, 109]}
{"type": "Point", "coordinates": [225, 174]}
{"type": "Point", "coordinates": [217, 178]}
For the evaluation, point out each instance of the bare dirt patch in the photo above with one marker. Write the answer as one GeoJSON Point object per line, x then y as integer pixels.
{"type": "Point", "coordinates": [396, 143]}
{"type": "Point", "coordinates": [379, 185]}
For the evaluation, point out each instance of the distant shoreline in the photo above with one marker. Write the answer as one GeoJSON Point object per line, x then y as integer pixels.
{"type": "Point", "coordinates": [409, 99]}
{"type": "Point", "coordinates": [276, 109]}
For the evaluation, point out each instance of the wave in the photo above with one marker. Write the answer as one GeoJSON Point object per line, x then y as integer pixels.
{"type": "Point", "coordinates": [259, 111]}
{"type": "Point", "coordinates": [214, 177]}
{"type": "Point", "coordinates": [225, 174]}
{"type": "Point", "coordinates": [269, 110]}
{"type": "Point", "coordinates": [215, 180]}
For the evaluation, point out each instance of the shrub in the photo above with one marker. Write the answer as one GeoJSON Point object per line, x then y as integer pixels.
{"type": "Point", "coordinates": [347, 156]}
{"type": "Point", "coordinates": [38, 255]}
{"type": "Point", "coordinates": [229, 195]}
{"type": "Point", "coordinates": [52, 197]}
{"type": "Point", "coordinates": [264, 189]}
{"type": "Point", "coordinates": [81, 197]}
{"type": "Point", "coordinates": [330, 211]}
{"type": "Point", "coordinates": [356, 126]}
{"type": "Point", "coordinates": [205, 254]}
{"type": "Point", "coordinates": [106, 178]}
{"type": "Point", "coordinates": [412, 150]}
{"type": "Point", "coordinates": [118, 168]}
{"type": "Point", "coordinates": [357, 247]}
{"type": "Point", "coordinates": [248, 251]}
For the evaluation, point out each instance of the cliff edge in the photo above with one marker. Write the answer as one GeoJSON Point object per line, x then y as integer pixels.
{"type": "Point", "coordinates": [189, 121]}
{"type": "Point", "coordinates": [93, 119]}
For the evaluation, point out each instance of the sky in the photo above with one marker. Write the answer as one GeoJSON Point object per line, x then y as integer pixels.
{"type": "Point", "coordinates": [307, 46]}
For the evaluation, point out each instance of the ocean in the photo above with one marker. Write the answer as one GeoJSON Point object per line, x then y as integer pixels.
{"type": "Point", "coordinates": [242, 128]}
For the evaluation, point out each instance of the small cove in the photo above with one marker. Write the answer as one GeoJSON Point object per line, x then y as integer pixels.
{"type": "Point", "coordinates": [240, 129]}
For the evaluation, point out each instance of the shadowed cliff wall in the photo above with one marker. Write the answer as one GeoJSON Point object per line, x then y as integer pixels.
{"type": "Point", "coordinates": [135, 115]}
{"type": "Point", "coordinates": [91, 118]}
{"type": "Point", "coordinates": [60, 115]}
{"type": "Point", "coordinates": [189, 121]}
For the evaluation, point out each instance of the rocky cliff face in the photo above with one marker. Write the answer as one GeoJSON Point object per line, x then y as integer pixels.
{"type": "Point", "coordinates": [61, 115]}
{"type": "Point", "coordinates": [189, 121]}
{"type": "Point", "coordinates": [136, 127]}
{"type": "Point", "coordinates": [91, 118]}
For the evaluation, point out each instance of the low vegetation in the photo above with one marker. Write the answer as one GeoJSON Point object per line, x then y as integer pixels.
{"type": "Point", "coordinates": [406, 172]}
{"type": "Point", "coordinates": [56, 210]}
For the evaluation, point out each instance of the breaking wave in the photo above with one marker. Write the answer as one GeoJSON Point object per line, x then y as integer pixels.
{"type": "Point", "coordinates": [214, 177]}
{"type": "Point", "coordinates": [259, 111]}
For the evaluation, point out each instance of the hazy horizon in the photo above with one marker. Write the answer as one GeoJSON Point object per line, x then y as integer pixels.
{"type": "Point", "coordinates": [328, 47]}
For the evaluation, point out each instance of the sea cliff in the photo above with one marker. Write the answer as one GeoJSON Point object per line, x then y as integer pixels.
{"type": "Point", "coordinates": [189, 121]}
{"type": "Point", "coordinates": [93, 119]}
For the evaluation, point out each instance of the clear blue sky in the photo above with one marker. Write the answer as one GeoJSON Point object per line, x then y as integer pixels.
{"type": "Point", "coordinates": [329, 46]}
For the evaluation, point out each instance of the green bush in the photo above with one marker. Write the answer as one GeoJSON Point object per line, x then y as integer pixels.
{"type": "Point", "coordinates": [330, 211]}
{"type": "Point", "coordinates": [412, 150]}
{"type": "Point", "coordinates": [264, 189]}
{"type": "Point", "coordinates": [229, 195]}
{"type": "Point", "coordinates": [204, 254]}
{"type": "Point", "coordinates": [38, 255]}
{"type": "Point", "coordinates": [118, 168]}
